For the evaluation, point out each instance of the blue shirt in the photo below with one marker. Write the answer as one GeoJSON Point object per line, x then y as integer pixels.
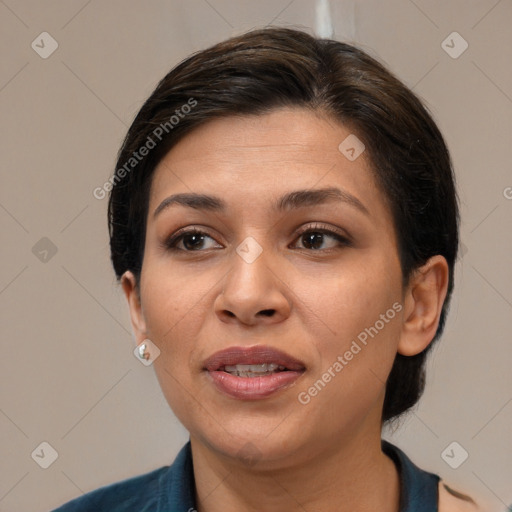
{"type": "Point", "coordinates": [172, 488]}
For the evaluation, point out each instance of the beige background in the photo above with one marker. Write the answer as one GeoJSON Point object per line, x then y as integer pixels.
{"type": "Point", "coordinates": [68, 373]}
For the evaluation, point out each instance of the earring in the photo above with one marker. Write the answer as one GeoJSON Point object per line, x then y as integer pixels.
{"type": "Point", "coordinates": [146, 352]}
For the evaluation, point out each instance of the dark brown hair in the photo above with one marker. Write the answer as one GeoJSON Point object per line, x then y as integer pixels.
{"type": "Point", "coordinates": [265, 69]}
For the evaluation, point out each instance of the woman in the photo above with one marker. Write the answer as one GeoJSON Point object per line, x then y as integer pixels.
{"type": "Point", "coordinates": [284, 223]}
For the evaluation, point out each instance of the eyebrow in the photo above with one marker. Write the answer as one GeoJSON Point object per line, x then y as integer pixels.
{"type": "Point", "coordinates": [292, 200]}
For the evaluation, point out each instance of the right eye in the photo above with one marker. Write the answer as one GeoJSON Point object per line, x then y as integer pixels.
{"type": "Point", "coordinates": [191, 240]}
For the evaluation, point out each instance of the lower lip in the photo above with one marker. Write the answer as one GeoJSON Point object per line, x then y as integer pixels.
{"type": "Point", "coordinates": [253, 388]}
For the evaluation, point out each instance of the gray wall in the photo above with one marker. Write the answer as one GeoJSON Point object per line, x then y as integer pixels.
{"type": "Point", "coordinates": [69, 377]}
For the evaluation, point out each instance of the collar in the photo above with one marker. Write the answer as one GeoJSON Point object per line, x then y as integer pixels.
{"type": "Point", "coordinates": [419, 489]}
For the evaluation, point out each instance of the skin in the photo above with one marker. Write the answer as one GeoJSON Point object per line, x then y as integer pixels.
{"type": "Point", "coordinates": [325, 455]}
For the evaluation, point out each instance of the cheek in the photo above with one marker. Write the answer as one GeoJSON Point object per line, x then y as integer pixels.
{"type": "Point", "coordinates": [344, 303]}
{"type": "Point", "coordinates": [356, 328]}
{"type": "Point", "coordinates": [170, 298]}
{"type": "Point", "coordinates": [356, 355]}
{"type": "Point", "coordinates": [173, 306]}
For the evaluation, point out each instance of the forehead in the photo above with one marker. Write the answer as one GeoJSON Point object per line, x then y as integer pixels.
{"type": "Point", "coordinates": [254, 158]}
{"type": "Point", "coordinates": [282, 133]}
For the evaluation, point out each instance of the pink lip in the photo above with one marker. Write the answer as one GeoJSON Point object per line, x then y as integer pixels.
{"type": "Point", "coordinates": [252, 388]}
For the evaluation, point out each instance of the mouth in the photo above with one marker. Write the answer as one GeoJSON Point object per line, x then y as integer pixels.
{"type": "Point", "coordinates": [252, 373]}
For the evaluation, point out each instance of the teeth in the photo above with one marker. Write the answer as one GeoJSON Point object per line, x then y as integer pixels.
{"type": "Point", "coordinates": [265, 367]}
{"type": "Point", "coordinates": [253, 370]}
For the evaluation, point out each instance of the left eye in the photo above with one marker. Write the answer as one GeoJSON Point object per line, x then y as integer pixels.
{"type": "Point", "coordinates": [315, 238]}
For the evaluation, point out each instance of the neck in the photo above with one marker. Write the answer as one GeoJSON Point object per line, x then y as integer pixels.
{"type": "Point", "coordinates": [353, 476]}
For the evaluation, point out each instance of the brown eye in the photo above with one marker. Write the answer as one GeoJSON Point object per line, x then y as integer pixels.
{"type": "Point", "coordinates": [314, 238]}
{"type": "Point", "coordinates": [192, 240]}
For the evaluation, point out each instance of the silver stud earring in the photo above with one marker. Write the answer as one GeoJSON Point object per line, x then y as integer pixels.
{"type": "Point", "coordinates": [146, 352]}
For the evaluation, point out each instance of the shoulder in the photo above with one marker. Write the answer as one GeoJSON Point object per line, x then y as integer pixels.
{"type": "Point", "coordinates": [425, 491]}
{"type": "Point", "coordinates": [167, 488]}
{"type": "Point", "coordinates": [137, 493]}
{"type": "Point", "coordinates": [451, 500]}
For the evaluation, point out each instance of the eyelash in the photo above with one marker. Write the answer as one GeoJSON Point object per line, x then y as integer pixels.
{"type": "Point", "coordinates": [344, 241]}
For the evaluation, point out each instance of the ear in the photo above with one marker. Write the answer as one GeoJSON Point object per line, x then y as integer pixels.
{"type": "Point", "coordinates": [424, 299]}
{"type": "Point", "coordinates": [131, 291]}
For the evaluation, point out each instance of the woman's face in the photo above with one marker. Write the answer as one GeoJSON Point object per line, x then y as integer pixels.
{"type": "Point", "coordinates": [315, 277]}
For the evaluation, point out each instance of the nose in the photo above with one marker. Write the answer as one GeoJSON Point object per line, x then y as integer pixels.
{"type": "Point", "coordinates": [253, 292]}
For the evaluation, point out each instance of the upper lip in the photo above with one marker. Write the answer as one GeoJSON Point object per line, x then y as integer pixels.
{"type": "Point", "coordinates": [259, 354]}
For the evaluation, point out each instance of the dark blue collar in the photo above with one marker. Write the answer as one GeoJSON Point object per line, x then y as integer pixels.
{"type": "Point", "coordinates": [419, 489]}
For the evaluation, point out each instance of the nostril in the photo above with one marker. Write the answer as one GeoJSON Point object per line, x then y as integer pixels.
{"type": "Point", "coordinates": [267, 312]}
